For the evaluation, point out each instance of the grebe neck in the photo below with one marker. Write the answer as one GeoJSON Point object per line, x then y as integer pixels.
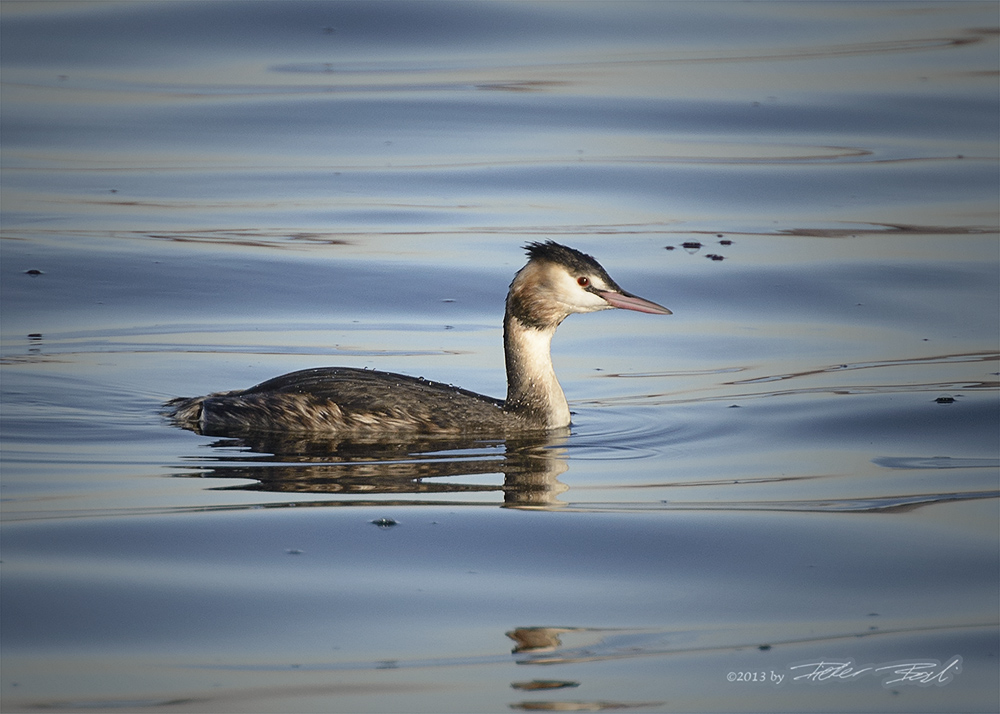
{"type": "Point", "coordinates": [532, 387]}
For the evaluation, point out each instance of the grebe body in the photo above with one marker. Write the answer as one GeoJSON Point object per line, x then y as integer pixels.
{"type": "Point", "coordinates": [556, 282]}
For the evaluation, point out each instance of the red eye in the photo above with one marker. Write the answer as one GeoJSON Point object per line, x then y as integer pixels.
{"type": "Point", "coordinates": [583, 281]}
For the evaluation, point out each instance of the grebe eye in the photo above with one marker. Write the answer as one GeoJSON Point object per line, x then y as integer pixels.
{"type": "Point", "coordinates": [583, 281]}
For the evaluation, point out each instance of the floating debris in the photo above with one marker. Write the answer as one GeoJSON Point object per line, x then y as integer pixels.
{"type": "Point", "coordinates": [384, 522]}
{"type": "Point", "coordinates": [33, 272]}
{"type": "Point", "coordinates": [691, 245]}
{"type": "Point", "coordinates": [945, 400]}
{"type": "Point", "coordinates": [537, 684]}
{"type": "Point", "coordinates": [725, 242]}
{"type": "Point", "coordinates": [714, 256]}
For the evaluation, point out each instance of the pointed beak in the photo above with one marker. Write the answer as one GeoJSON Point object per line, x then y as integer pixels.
{"type": "Point", "coordinates": [628, 301]}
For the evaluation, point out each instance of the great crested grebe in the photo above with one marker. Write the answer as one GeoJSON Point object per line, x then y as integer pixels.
{"type": "Point", "coordinates": [556, 282]}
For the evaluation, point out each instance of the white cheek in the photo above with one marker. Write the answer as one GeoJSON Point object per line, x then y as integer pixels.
{"type": "Point", "coordinates": [576, 299]}
{"type": "Point", "coordinates": [588, 302]}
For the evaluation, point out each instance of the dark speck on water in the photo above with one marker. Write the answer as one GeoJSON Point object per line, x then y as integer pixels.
{"type": "Point", "coordinates": [543, 684]}
{"type": "Point", "coordinates": [385, 522]}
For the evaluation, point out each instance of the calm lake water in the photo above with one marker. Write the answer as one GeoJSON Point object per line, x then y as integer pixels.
{"type": "Point", "coordinates": [799, 466]}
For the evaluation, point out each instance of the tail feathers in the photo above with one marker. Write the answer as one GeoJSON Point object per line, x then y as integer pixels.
{"type": "Point", "coordinates": [184, 411]}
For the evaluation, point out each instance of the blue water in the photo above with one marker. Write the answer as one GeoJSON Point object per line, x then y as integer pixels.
{"type": "Point", "coordinates": [800, 465]}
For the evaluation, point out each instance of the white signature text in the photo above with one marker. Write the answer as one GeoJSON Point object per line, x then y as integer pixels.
{"type": "Point", "coordinates": [919, 672]}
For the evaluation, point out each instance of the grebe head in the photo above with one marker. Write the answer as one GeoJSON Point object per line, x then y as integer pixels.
{"type": "Point", "coordinates": [558, 281]}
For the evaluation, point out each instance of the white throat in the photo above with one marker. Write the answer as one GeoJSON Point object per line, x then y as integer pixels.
{"type": "Point", "coordinates": [532, 387]}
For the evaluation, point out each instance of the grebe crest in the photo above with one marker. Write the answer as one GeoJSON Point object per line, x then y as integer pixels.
{"type": "Point", "coordinates": [556, 282]}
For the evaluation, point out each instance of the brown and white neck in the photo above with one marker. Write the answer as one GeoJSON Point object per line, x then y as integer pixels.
{"type": "Point", "coordinates": [532, 388]}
